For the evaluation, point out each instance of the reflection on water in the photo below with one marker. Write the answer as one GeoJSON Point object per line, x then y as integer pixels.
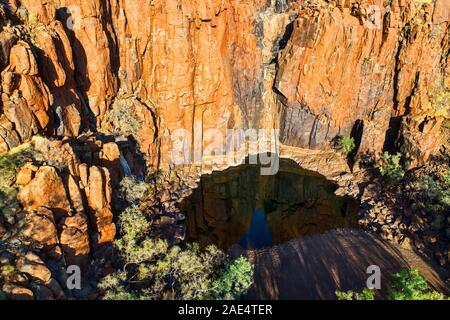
{"type": "Point", "coordinates": [239, 206]}
{"type": "Point", "coordinates": [258, 235]}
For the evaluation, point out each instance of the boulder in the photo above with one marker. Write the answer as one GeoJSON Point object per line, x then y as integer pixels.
{"type": "Point", "coordinates": [58, 153]}
{"type": "Point", "coordinates": [74, 238]}
{"type": "Point", "coordinates": [46, 190]}
{"type": "Point", "coordinates": [32, 265]}
{"type": "Point", "coordinates": [98, 193]}
{"type": "Point", "coordinates": [22, 60]}
{"type": "Point", "coordinates": [7, 41]}
{"type": "Point", "coordinates": [40, 227]}
{"type": "Point", "coordinates": [15, 292]}
{"type": "Point", "coordinates": [25, 175]}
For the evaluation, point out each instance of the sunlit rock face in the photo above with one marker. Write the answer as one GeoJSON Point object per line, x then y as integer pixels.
{"type": "Point", "coordinates": [241, 206]}
{"type": "Point", "coordinates": [314, 69]}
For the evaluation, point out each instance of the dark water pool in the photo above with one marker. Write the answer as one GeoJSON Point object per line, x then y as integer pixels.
{"type": "Point", "coordinates": [240, 206]}
{"type": "Point", "coordinates": [258, 235]}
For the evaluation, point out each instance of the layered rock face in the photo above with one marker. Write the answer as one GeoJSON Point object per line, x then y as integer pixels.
{"type": "Point", "coordinates": [110, 82]}
{"type": "Point", "coordinates": [314, 69]}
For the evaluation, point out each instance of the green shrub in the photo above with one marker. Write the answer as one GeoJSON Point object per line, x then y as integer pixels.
{"type": "Point", "coordinates": [22, 14]}
{"type": "Point", "coordinates": [410, 285]}
{"type": "Point", "coordinates": [133, 190]}
{"type": "Point", "coordinates": [434, 191]}
{"type": "Point", "coordinates": [446, 178]}
{"type": "Point", "coordinates": [2, 295]}
{"type": "Point", "coordinates": [123, 118]}
{"type": "Point", "coordinates": [234, 279]}
{"type": "Point", "coordinates": [407, 284]}
{"type": "Point", "coordinates": [346, 144]}
{"type": "Point", "coordinates": [366, 294]}
{"type": "Point", "coordinates": [10, 163]}
{"type": "Point", "coordinates": [32, 19]}
{"type": "Point", "coordinates": [390, 167]}
{"type": "Point", "coordinates": [153, 270]}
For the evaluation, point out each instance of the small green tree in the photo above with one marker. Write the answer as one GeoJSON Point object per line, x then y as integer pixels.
{"type": "Point", "coordinates": [390, 167]}
{"type": "Point", "coordinates": [234, 278]}
{"type": "Point", "coordinates": [434, 191]}
{"type": "Point", "coordinates": [408, 284]}
{"type": "Point", "coordinates": [346, 144]}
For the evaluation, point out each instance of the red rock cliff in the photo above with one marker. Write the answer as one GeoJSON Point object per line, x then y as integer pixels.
{"type": "Point", "coordinates": [314, 69]}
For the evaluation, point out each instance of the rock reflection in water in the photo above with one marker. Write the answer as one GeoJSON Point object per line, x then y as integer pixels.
{"type": "Point", "coordinates": [240, 206]}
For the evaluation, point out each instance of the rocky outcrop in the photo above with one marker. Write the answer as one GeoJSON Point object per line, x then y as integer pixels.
{"type": "Point", "coordinates": [42, 284]}
{"type": "Point", "coordinates": [67, 210]}
{"type": "Point", "coordinates": [372, 63]}
{"type": "Point", "coordinates": [411, 214]}
{"type": "Point", "coordinates": [46, 190]}
{"type": "Point", "coordinates": [29, 278]}
{"type": "Point", "coordinates": [15, 292]}
{"type": "Point", "coordinates": [25, 98]}
{"type": "Point", "coordinates": [71, 191]}
{"type": "Point", "coordinates": [39, 93]}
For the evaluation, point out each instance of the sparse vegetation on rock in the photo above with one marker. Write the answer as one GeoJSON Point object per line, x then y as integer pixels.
{"type": "Point", "coordinates": [346, 144]}
{"type": "Point", "coordinates": [10, 163]}
{"type": "Point", "coordinates": [433, 192]}
{"type": "Point", "coordinates": [391, 168]}
{"type": "Point", "coordinates": [133, 190]}
{"type": "Point", "coordinates": [123, 118]}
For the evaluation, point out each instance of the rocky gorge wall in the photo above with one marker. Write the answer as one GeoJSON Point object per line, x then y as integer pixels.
{"type": "Point", "coordinates": [313, 69]}
{"type": "Point", "coordinates": [108, 82]}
